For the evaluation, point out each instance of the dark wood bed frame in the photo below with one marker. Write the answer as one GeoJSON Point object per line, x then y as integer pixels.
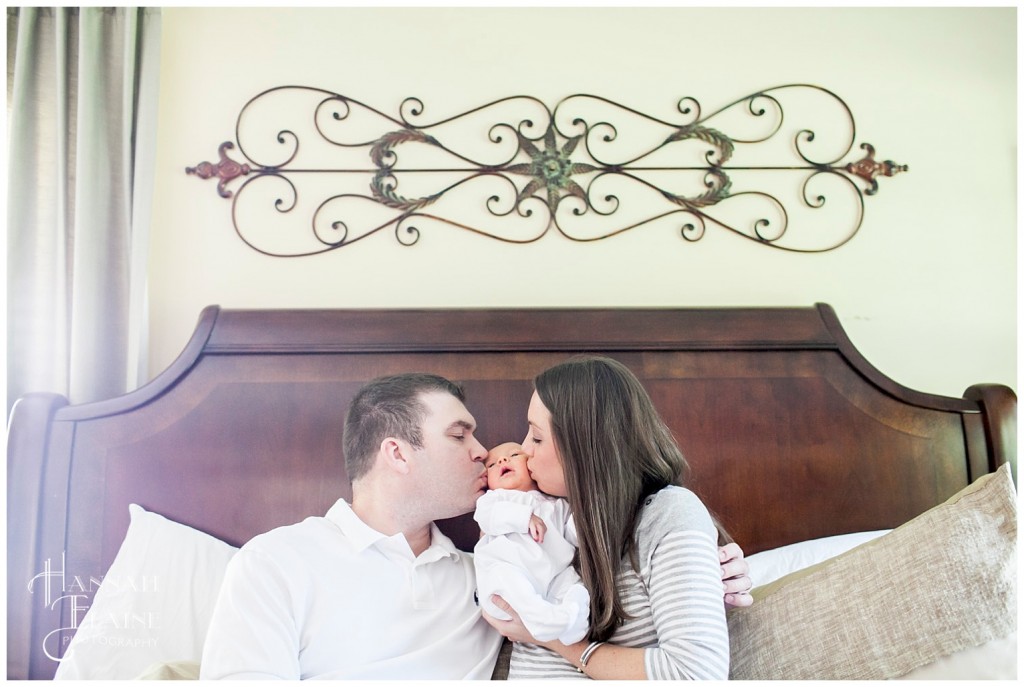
{"type": "Point", "coordinates": [790, 433]}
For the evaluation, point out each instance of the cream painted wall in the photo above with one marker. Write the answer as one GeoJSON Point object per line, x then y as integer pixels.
{"type": "Point", "coordinates": [926, 290]}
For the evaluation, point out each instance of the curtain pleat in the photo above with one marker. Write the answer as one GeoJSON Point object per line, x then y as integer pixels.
{"type": "Point", "coordinates": [79, 83]}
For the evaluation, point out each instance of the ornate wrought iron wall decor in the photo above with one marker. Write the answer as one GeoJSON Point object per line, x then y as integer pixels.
{"type": "Point", "coordinates": [514, 169]}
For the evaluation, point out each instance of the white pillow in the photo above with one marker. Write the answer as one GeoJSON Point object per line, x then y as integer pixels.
{"type": "Point", "coordinates": [768, 566]}
{"type": "Point", "coordinates": [154, 604]}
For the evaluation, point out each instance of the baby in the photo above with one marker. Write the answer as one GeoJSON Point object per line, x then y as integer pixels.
{"type": "Point", "coordinates": [525, 551]}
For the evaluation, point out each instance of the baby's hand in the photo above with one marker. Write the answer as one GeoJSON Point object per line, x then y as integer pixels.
{"type": "Point", "coordinates": [537, 529]}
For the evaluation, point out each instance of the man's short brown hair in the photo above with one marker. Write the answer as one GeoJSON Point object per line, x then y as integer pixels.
{"type": "Point", "coordinates": [389, 407]}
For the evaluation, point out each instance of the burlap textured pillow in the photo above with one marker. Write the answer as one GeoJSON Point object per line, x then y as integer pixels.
{"type": "Point", "coordinates": [940, 583]}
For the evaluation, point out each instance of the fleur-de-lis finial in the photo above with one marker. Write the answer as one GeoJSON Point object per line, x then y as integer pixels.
{"type": "Point", "coordinates": [225, 170]}
{"type": "Point", "coordinates": [868, 168]}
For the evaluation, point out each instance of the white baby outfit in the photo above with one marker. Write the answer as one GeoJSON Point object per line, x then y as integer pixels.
{"type": "Point", "coordinates": [536, 579]}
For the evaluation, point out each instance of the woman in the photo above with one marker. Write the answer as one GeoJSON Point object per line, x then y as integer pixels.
{"type": "Point", "coordinates": [648, 549]}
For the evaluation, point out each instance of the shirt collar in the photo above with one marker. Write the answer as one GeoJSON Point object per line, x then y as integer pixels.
{"type": "Point", "coordinates": [362, 536]}
{"type": "Point", "coordinates": [440, 546]}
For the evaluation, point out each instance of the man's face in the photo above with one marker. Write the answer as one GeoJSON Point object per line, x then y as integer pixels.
{"type": "Point", "coordinates": [506, 468]}
{"type": "Point", "coordinates": [449, 466]}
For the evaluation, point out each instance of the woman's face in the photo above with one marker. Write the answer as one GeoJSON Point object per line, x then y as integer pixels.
{"type": "Point", "coordinates": [544, 463]}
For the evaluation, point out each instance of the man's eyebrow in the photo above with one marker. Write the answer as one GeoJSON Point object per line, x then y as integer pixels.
{"type": "Point", "coordinates": [463, 424]}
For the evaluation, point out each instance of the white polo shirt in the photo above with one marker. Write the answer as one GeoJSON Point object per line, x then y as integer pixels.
{"type": "Point", "coordinates": [332, 598]}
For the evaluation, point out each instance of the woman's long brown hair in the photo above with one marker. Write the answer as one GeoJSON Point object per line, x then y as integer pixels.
{"type": "Point", "coordinates": [615, 451]}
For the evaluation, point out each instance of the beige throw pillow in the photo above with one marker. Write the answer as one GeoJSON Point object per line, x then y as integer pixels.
{"type": "Point", "coordinates": [944, 581]}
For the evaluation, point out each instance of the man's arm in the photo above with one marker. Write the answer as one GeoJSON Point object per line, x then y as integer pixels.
{"type": "Point", "coordinates": [252, 633]}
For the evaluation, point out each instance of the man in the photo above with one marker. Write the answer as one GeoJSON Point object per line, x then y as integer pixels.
{"type": "Point", "coordinates": [373, 589]}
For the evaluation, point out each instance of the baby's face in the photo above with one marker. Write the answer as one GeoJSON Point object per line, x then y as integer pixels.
{"type": "Point", "coordinates": [506, 468]}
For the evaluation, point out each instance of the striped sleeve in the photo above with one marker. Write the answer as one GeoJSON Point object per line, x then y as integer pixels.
{"type": "Point", "coordinates": [684, 581]}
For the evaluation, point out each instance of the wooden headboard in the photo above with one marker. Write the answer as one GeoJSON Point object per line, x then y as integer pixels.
{"type": "Point", "coordinates": [790, 433]}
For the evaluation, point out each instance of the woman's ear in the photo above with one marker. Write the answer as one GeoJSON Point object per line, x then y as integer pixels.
{"type": "Point", "coordinates": [395, 454]}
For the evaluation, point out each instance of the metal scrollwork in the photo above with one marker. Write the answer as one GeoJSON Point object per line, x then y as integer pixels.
{"type": "Point", "coordinates": [515, 169]}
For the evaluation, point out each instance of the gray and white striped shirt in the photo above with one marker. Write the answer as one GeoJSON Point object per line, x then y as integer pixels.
{"type": "Point", "coordinates": [675, 602]}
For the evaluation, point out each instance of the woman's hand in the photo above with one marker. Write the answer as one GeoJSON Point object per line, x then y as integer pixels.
{"type": "Point", "coordinates": [613, 662]}
{"type": "Point", "coordinates": [513, 629]}
{"type": "Point", "coordinates": [735, 576]}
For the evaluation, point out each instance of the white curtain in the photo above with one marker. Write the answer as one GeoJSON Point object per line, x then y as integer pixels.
{"type": "Point", "coordinates": [81, 105]}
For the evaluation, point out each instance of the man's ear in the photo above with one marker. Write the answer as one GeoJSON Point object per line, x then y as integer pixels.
{"type": "Point", "coordinates": [395, 454]}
